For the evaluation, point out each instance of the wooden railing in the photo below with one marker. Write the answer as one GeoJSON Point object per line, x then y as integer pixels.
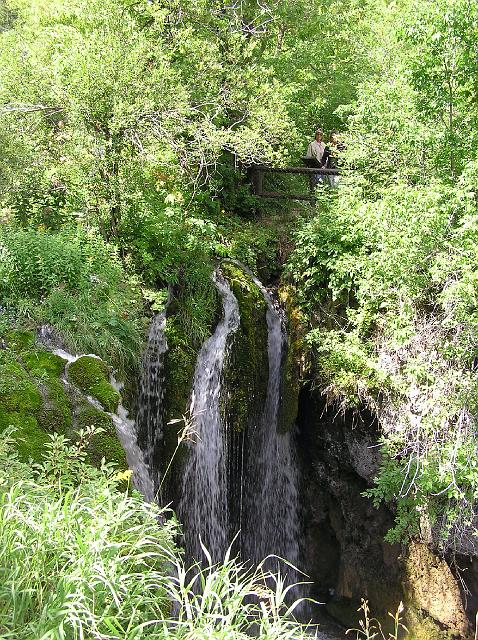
{"type": "Point", "coordinates": [256, 175]}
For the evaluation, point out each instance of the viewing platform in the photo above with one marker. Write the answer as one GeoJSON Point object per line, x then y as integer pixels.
{"type": "Point", "coordinates": [256, 176]}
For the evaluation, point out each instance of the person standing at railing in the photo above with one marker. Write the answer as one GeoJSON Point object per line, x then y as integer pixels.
{"type": "Point", "coordinates": [331, 156]}
{"type": "Point", "coordinates": [315, 150]}
{"type": "Point", "coordinates": [315, 157]}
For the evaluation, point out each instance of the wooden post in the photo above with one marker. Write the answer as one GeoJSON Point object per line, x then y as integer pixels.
{"type": "Point", "coordinates": [256, 173]}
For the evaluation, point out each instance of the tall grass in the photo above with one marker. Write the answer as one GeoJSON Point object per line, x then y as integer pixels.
{"type": "Point", "coordinates": [371, 629]}
{"type": "Point", "coordinates": [79, 562]}
{"type": "Point", "coordinates": [81, 558]}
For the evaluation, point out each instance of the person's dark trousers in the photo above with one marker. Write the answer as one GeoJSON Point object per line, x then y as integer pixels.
{"type": "Point", "coordinates": [315, 178]}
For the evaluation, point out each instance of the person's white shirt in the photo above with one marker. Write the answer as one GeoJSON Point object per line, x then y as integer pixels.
{"type": "Point", "coordinates": [316, 150]}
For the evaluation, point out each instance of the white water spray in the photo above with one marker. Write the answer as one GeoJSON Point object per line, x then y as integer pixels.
{"type": "Point", "coordinates": [203, 507]}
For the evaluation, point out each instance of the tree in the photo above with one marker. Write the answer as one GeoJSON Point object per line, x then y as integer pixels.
{"type": "Point", "coordinates": [116, 98]}
{"type": "Point", "coordinates": [443, 67]}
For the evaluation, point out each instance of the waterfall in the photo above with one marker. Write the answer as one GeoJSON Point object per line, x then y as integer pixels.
{"type": "Point", "coordinates": [232, 481]}
{"type": "Point", "coordinates": [203, 508]}
{"type": "Point", "coordinates": [126, 430]}
{"type": "Point", "coordinates": [270, 522]}
{"type": "Point", "coordinates": [272, 525]}
{"type": "Point", "coordinates": [150, 420]}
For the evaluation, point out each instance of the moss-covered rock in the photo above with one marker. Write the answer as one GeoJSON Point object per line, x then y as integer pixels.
{"type": "Point", "coordinates": [43, 363]}
{"type": "Point", "coordinates": [91, 376]}
{"type": "Point", "coordinates": [56, 411]}
{"type": "Point", "coordinates": [20, 339]}
{"type": "Point", "coordinates": [247, 367]}
{"type": "Point", "coordinates": [87, 371]}
{"type": "Point", "coordinates": [180, 362]}
{"type": "Point", "coordinates": [18, 391]}
{"type": "Point", "coordinates": [35, 401]}
{"type": "Point", "coordinates": [179, 366]}
{"type": "Point", "coordinates": [434, 608]}
{"type": "Point", "coordinates": [293, 364]}
{"type": "Point", "coordinates": [106, 394]}
{"type": "Point", "coordinates": [104, 444]}
{"type": "Point", "coordinates": [22, 405]}
{"type": "Point", "coordinates": [29, 436]}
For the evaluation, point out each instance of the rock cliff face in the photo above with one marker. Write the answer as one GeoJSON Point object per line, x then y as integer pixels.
{"type": "Point", "coordinates": [346, 555]}
{"type": "Point", "coordinates": [431, 589]}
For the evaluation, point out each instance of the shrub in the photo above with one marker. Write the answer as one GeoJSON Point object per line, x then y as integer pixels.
{"type": "Point", "coordinates": [389, 284]}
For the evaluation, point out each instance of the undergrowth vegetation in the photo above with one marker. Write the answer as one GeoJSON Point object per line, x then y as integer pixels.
{"type": "Point", "coordinates": [127, 131]}
{"type": "Point", "coordinates": [389, 286]}
{"type": "Point", "coordinates": [386, 270]}
{"type": "Point", "coordinates": [81, 557]}
{"type": "Point", "coordinates": [73, 281]}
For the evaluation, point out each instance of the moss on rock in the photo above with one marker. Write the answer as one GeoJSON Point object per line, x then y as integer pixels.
{"type": "Point", "coordinates": [87, 371]}
{"type": "Point", "coordinates": [22, 400]}
{"type": "Point", "coordinates": [105, 393]}
{"type": "Point", "coordinates": [30, 438]}
{"type": "Point", "coordinates": [180, 362]}
{"type": "Point", "coordinates": [35, 402]}
{"type": "Point", "coordinates": [434, 608]}
{"type": "Point", "coordinates": [247, 368]}
{"type": "Point", "coordinates": [91, 376]}
{"type": "Point", "coordinates": [43, 363]}
{"type": "Point", "coordinates": [18, 392]}
{"type": "Point", "coordinates": [56, 412]}
{"type": "Point", "coordinates": [20, 339]}
{"type": "Point", "coordinates": [179, 366]}
{"type": "Point", "coordinates": [103, 445]}
{"type": "Point", "coordinates": [293, 365]}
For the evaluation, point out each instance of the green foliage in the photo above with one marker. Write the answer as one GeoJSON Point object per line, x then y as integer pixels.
{"type": "Point", "coordinates": [73, 281]}
{"type": "Point", "coordinates": [442, 66]}
{"type": "Point", "coordinates": [77, 558]}
{"type": "Point", "coordinates": [35, 263]}
{"type": "Point", "coordinates": [107, 142]}
{"type": "Point", "coordinates": [437, 490]}
{"type": "Point", "coordinates": [386, 274]}
{"type": "Point", "coordinates": [255, 244]}
{"type": "Point", "coordinates": [80, 556]}
{"type": "Point", "coordinates": [19, 339]}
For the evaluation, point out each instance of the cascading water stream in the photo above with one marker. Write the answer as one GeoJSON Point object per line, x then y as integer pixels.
{"type": "Point", "coordinates": [140, 441]}
{"type": "Point", "coordinates": [150, 420]}
{"type": "Point", "coordinates": [203, 507]}
{"type": "Point", "coordinates": [125, 428]}
{"type": "Point", "coordinates": [271, 524]}
{"type": "Point", "coordinates": [272, 500]}
{"type": "Point", "coordinates": [247, 481]}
